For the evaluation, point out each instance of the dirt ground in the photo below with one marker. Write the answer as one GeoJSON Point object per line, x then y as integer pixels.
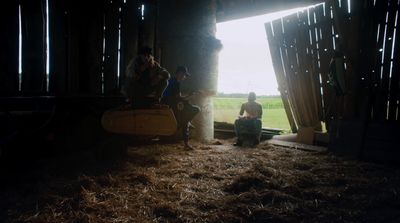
{"type": "Point", "coordinates": [213, 183]}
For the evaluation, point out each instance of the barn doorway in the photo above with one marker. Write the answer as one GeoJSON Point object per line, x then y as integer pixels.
{"type": "Point", "coordinates": [245, 65]}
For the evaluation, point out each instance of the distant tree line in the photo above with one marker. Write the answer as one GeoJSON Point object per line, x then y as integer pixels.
{"type": "Point", "coordinates": [243, 95]}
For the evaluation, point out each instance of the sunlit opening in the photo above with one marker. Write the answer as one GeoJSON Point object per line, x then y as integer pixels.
{"type": "Point", "coordinates": [47, 47]}
{"type": "Point", "coordinates": [245, 65]}
{"type": "Point", "coordinates": [19, 49]}
{"type": "Point", "coordinates": [245, 61]}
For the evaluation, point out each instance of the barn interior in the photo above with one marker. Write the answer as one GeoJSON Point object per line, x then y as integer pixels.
{"type": "Point", "coordinates": [62, 66]}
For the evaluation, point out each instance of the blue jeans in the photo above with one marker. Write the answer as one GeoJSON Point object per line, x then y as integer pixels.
{"type": "Point", "coordinates": [248, 129]}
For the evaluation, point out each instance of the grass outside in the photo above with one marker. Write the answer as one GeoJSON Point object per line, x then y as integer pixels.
{"type": "Point", "coordinates": [274, 115]}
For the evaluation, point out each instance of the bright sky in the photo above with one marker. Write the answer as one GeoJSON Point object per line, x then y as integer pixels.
{"type": "Point", "coordinates": [245, 62]}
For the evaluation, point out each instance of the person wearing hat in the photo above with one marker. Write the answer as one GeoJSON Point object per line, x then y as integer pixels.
{"type": "Point", "coordinates": [248, 125]}
{"type": "Point", "coordinates": [145, 80]}
{"type": "Point", "coordinates": [183, 110]}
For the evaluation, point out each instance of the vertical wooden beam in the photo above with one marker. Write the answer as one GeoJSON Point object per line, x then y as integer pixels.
{"type": "Point", "coordinates": [9, 49]}
{"type": "Point", "coordinates": [129, 34]}
{"type": "Point", "coordinates": [33, 47]}
{"type": "Point", "coordinates": [85, 47]}
{"type": "Point", "coordinates": [394, 94]}
{"type": "Point", "coordinates": [326, 53]}
{"type": "Point", "coordinates": [387, 69]}
{"type": "Point", "coordinates": [58, 37]}
{"type": "Point", "coordinates": [378, 103]}
{"type": "Point", "coordinates": [148, 24]}
{"type": "Point", "coordinates": [111, 47]}
{"type": "Point", "coordinates": [91, 23]}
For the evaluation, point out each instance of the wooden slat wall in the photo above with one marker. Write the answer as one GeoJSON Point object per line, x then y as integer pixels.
{"type": "Point", "coordinates": [278, 66]}
{"type": "Point", "coordinates": [33, 47]}
{"type": "Point", "coordinates": [129, 35]}
{"type": "Point", "coordinates": [59, 33]}
{"type": "Point", "coordinates": [111, 19]}
{"type": "Point", "coordinates": [147, 33]}
{"type": "Point", "coordinates": [326, 46]}
{"type": "Point", "coordinates": [394, 94]}
{"type": "Point", "coordinates": [385, 76]}
{"type": "Point", "coordinates": [366, 31]}
{"type": "Point", "coordinates": [305, 40]}
{"type": "Point", "coordinates": [9, 49]}
{"type": "Point", "coordinates": [90, 23]}
{"type": "Point", "coordinates": [84, 51]}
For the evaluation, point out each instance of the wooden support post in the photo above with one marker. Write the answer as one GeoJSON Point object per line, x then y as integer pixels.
{"type": "Point", "coordinates": [111, 47]}
{"type": "Point", "coordinates": [58, 35]}
{"type": "Point", "coordinates": [129, 34]}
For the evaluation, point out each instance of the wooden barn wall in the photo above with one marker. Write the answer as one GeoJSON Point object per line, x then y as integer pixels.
{"type": "Point", "coordinates": [33, 47]}
{"type": "Point", "coordinates": [90, 43]}
{"type": "Point", "coordinates": [9, 20]}
{"type": "Point", "coordinates": [384, 78]}
{"type": "Point", "coordinates": [366, 32]}
{"type": "Point", "coordinates": [301, 46]}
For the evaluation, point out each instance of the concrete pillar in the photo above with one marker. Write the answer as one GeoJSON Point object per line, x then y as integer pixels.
{"type": "Point", "coordinates": [186, 30]}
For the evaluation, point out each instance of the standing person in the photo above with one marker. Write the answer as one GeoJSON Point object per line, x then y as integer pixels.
{"type": "Point", "coordinates": [145, 80]}
{"type": "Point", "coordinates": [249, 121]}
{"type": "Point", "coordinates": [183, 110]}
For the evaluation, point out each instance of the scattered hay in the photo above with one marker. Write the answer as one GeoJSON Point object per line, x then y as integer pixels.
{"type": "Point", "coordinates": [213, 183]}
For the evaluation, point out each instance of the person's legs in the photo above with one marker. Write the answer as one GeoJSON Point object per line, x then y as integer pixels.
{"type": "Point", "coordinates": [187, 114]}
{"type": "Point", "coordinates": [238, 131]}
{"type": "Point", "coordinates": [159, 89]}
{"type": "Point", "coordinates": [190, 111]}
{"type": "Point", "coordinates": [256, 130]}
{"type": "Point", "coordinates": [185, 135]}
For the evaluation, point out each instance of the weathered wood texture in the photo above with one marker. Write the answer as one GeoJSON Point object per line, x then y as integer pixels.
{"type": "Point", "coordinates": [111, 35]}
{"type": "Point", "coordinates": [33, 47]}
{"type": "Point", "coordinates": [9, 49]}
{"type": "Point", "coordinates": [129, 34]}
{"type": "Point", "coordinates": [90, 44]}
{"type": "Point", "coordinates": [298, 48]}
{"type": "Point", "coordinates": [366, 32]}
{"type": "Point", "coordinates": [59, 59]}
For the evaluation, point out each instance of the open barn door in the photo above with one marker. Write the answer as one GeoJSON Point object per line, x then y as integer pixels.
{"type": "Point", "coordinates": [301, 46]}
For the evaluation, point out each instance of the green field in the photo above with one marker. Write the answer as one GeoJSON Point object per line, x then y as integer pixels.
{"type": "Point", "coordinates": [227, 110]}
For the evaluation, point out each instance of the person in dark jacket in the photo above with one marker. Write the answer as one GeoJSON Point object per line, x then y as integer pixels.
{"type": "Point", "coordinates": [145, 80]}
{"type": "Point", "coordinates": [183, 110]}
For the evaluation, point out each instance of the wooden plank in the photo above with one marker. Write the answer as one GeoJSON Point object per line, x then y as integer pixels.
{"type": "Point", "coordinates": [278, 68]}
{"type": "Point", "coordinates": [129, 34]}
{"type": "Point", "coordinates": [91, 43]}
{"type": "Point", "coordinates": [326, 52]}
{"type": "Point", "coordinates": [368, 55]}
{"type": "Point", "coordinates": [73, 47]}
{"type": "Point", "coordinates": [311, 69]}
{"type": "Point", "coordinates": [296, 70]}
{"type": "Point", "coordinates": [111, 48]}
{"type": "Point", "coordinates": [58, 35]}
{"type": "Point", "coordinates": [148, 25]}
{"type": "Point", "coordinates": [280, 36]}
{"type": "Point", "coordinates": [388, 41]}
{"type": "Point", "coordinates": [300, 146]}
{"type": "Point", "coordinates": [85, 47]}
{"type": "Point", "coordinates": [9, 49]}
{"type": "Point", "coordinates": [306, 79]}
{"type": "Point", "coordinates": [33, 45]}
{"type": "Point", "coordinates": [394, 94]}
{"type": "Point", "coordinates": [378, 104]}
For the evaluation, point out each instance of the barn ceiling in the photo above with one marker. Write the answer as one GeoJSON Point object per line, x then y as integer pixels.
{"type": "Point", "coordinates": [236, 9]}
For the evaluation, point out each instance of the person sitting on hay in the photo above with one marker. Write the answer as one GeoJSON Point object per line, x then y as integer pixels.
{"type": "Point", "coordinates": [248, 125]}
